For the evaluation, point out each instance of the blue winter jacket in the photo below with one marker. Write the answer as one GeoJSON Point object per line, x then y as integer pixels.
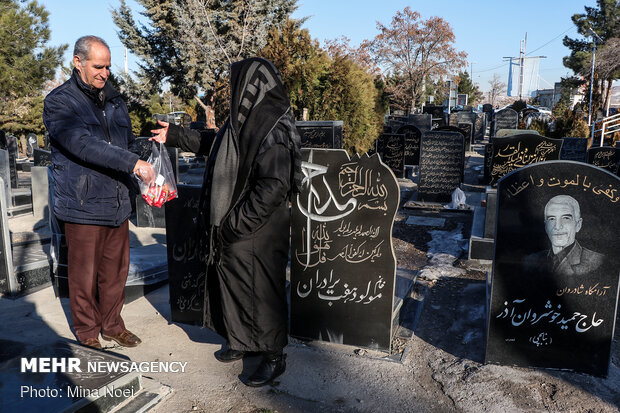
{"type": "Point", "coordinates": [91, 155]}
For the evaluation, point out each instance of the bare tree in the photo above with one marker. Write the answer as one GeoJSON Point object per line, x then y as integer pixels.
{"type": "Point", "coordinates": [413, 49]}
{"type": "Point", "coordinates": [497, 88]}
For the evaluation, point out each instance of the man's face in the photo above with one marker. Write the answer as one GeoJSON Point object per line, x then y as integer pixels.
{"type": "Point", "coordinates": [561, 225]}
{"type": "Point", "coordinates": [94, 70]}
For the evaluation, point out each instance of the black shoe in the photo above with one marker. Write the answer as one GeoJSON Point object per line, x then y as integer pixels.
{"type": "Point", "coordinates": [228, 355]}
{"type": "Point", "coordinates": [269, 368]}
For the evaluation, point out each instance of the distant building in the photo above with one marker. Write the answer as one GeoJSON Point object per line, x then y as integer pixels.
{"type": "Point", "coordinates": [550, 97]}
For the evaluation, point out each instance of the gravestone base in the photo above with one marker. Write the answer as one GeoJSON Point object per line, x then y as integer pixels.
{"type": "Point", "coordinates": [21, 201]}
{"type": "Point", "coordinates": [405, 279]}
{"type": "Point", "coordinates": [148, 270]}
{"type": "Point", "coordinates": [482, 240]}
{"type": "Point", "coordinates": [31, 268]}
{"type": "Point", "coordinates": [77, 391]}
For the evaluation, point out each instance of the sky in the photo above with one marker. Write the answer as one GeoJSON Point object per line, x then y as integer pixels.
{"type": "Point", "coordinates": [487, 30]}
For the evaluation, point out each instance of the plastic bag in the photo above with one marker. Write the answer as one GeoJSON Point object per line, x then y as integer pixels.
{"type": "Point", "coordinates": [163, 188]}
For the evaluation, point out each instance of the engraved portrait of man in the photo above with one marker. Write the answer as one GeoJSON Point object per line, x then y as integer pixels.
{"type": "Point", "coordinates": [565, 257]}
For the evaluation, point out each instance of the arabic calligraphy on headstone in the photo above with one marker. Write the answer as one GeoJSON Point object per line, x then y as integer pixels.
{"type": "Point", "coordinates": [554, 287]}
{"type": "Point", "coordinates": [518, 151]}
{"type": "Point", "coordinates": [186, 257]}
{"type": "Point", "coordinates": [441, 165]}
{"type": "Point", "coordinates": [342, 261]}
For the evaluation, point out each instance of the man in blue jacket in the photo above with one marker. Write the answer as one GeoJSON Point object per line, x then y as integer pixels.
{"type": "Point", "coordinates": [93, 156]}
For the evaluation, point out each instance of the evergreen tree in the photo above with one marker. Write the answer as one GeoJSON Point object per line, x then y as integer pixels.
{"type": "Point", "coordinates": [332, 85]}
{"type": "Point", "coordinates": [191, 43]}
{"type": "Point", "coordinates": [604, 20]}
{"type": "Point", "coordinates": [26, 65]}
{"type": "Point", "coordinates": [467, 87]}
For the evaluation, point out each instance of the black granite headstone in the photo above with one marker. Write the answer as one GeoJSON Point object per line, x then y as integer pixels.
{"type": "Point", "coordinates": [342, 262]}
{"type": "Point", "coordinates": [505, 119]}
{"type": "Point", "coordinates": [518, 151]}
{"type": "Point", "coordinates": [548, 310]}
{"type": "Point", "coordinates": [479, 127]}
{"type": "Point", "coordinates": [488, 163]}
{"type": "Point", "coordinates": [12, 148]}
{"type": "Point", "coordinates": [605, 157]}
{"type": "Point", "coordinates": [186, 261]}
{"type": "Point", "coordinates": [42, 157]}
{"type": "Point", "coordinates": [424, 122]}
{"type": "Point", "coordinates": [574, 149]}
{"type": "Point", "coordinates": [487, 107]}
{"type": "Point", "coordinates": [320, 134]}
{"type": "Point", "coordinates": [413, 135]}
{"type": "Point", "coordinates": [442, 157]}
{"type": "Point", "coordinates": [437, 115]}
{"type": "Point", "coordinates": [468, 133]}
{"type": "Point", "coordinates": [391, 148]}
{"type": "Point", "coordinates": [395, 122]}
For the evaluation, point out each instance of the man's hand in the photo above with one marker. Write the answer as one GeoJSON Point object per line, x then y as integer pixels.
{"type": "Point", "coordinates": [160, 134]}
{"type": "Point", "coordinates": [144, 171]}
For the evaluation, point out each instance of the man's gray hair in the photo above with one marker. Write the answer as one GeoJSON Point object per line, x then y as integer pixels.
{"type": "Point", "coordinates": [83, 45]}
{"type": "Point", "coordinates": [566, 199]}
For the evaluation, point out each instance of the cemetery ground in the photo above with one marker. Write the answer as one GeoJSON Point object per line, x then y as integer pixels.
{"type": "Point", "coordinates": [437, 364]}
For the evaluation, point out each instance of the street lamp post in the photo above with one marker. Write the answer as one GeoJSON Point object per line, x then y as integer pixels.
{"type": "Point", "coordinates": [594, 38]}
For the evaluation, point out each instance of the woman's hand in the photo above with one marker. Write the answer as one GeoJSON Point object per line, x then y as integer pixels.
{"type": "Point", "coordinates": [160, 134]}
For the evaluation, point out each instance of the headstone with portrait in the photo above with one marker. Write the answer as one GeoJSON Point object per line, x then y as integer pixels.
{"type": "Point", "coordinates": [518, 151]}
{"type": "Point", "coordinates": [554, 288]}
{"type": "Point", "coordinates": [343, 265]}
{"type": "Point", "coordinates": [605, 157]}
{"type": "Point", "coordinates": [391, 148]}
{"type": "Point", "coordinates": [442, 158]}
{"type": "Point", "coordinates": [186, 261]}
{"type": "Point", "coordinates": [505, 119]}
{"type": "Point", "coordinates": [413, 135]}
{"type": "Point", "coordinates": [325, 134]}
{"type": "Point", "coordinates": [574, 149]}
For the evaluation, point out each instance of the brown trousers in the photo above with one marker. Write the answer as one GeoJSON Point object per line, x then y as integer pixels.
{"type": "Point", "coordinates": [98, 261]}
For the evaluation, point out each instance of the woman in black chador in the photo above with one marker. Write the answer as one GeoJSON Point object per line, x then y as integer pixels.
{"type": "Point", "coordinates": [253, 166]}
